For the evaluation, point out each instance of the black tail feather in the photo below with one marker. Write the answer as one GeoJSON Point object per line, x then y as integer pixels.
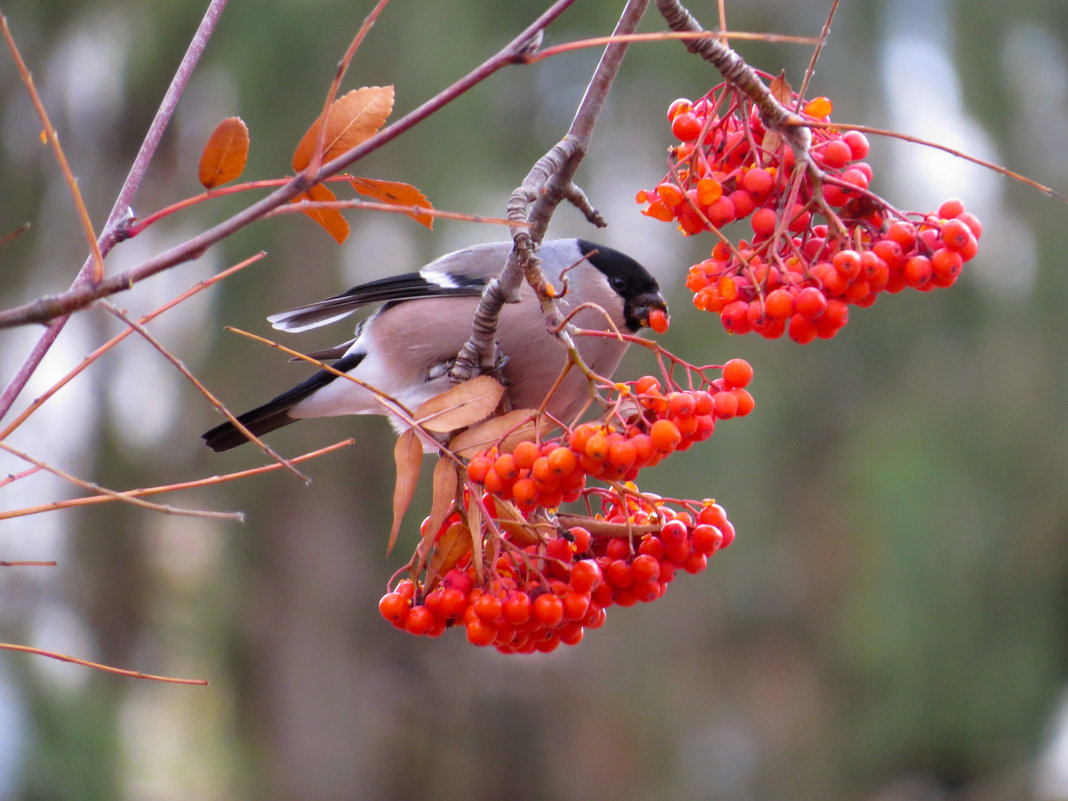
{"type": "Point", "coordinates": [275, 413]}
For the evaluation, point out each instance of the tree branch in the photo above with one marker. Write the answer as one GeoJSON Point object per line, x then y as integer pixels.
{"type": "Point", "coordinates": [550, 181]}
{"type": "Point", "coordinates": [119, 212]}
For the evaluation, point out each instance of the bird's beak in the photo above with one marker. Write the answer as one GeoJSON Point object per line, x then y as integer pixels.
{"type": "Point", "coordinates": [648, 311]}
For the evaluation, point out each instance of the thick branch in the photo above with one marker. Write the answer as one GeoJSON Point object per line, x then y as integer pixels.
{"type": "Point", "coordinates": [47, 309]}
{"type": "Point", "coordinates": [734, 69]}
{"type": "Point", "coordinates": [550, 181]}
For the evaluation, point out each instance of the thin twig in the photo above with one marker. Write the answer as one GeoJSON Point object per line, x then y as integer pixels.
{"type": "Point", "coordinates": [203, 390]}
{"type": "Point", "coordinates": [667, 36]}
{"type": "Point", "coordinates": [111, 233]}
{"type": "Point", "coordinates": [211, 481]}
{"type": "Point", "coordinates": [52, 136]}
{"type": "Point", "coordinates": [115, 340]}
{"type": "Point", "coordinates": [119, 496]}
{"type": "Point", "coordinates": [133, 674]}
{"type": "Point", "coordinates": [342, 67]}
{"type": "Point", "coordinates": [49, 308]}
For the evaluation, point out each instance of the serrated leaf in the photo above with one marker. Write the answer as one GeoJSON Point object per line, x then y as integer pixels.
{"type": "Point", "coordinates": [455, 543]}
{"type": "Point", "coordinates": [461, 405]}
{"type": "Point", "coordinates": [396, 194]}
{"type": "Point", "coordinates": [352, 118]}
{"type": "Point", "coordinates": [509, 429]}
{"type": "Point", "coordinates": [331, 219]}
{"type": "Point", "coordinates": [225, 153]}
{"type": "Point", "coordinates": [408, 454]}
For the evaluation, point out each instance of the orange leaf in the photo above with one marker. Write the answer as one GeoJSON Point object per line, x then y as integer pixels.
{"type": "Point", "coordinates": [408, 455]}
{"type": "Point", "coordinates": [461, 405]}
{"type": "Point", "coordinates": [352, 118]}
{"type": "Point", "coordinates": [445, 483]}
{"type": "Point", "coordinates": [395, 193]}
{"type": "Point", "coordinates": [454, 544]}
{"type": "Point", "coordinates": [225, 153]}
{"type": "Point", "coordinates": [329, 218]}
{"type": "Point", "coordinates": [507, 429]}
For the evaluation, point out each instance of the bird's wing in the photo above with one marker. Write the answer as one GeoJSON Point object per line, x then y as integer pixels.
{"type": "Point", "coordinates": [411, 286]}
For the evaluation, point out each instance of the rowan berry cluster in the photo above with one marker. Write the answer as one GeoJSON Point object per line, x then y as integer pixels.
{"type": "Point", "coordinates": [519, 574]}
{"type": "Point", "coordinates": [550, 591]}
{"type": "Point", "coordinates": [822, 241]}
{"type": "Point", "coordinates": [555, 472]}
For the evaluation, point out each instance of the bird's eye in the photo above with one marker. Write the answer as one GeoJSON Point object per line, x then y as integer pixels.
{"type": "Point", "coordinates": [618, 283]}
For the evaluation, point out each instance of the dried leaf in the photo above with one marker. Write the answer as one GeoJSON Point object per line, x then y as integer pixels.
{"type": "Point", "coordinates": [454, 545]}
{"type": "Point", "coordinates": [396, 194]}
{"type": "Point", "coordinates": [445, 483]}
{"type": "Point", "coordinates": [461, 405]}
{"type": "Point", "coordinates": [408, 454]}
{"type": "Point", "coordinates": [520, 530]}
{"type": "Point", "coordinates": [331, 219]}
{"type": "Point", "coordinates": [225, 154]}
{"type": "Point", "coordinates": [352, 118]}
{"type": "Point", "coordinates": [780, 88]}
{"type": "Point", "coordinates": [514, 427]}
{"type": "Point", "coordinates": [474, 523]}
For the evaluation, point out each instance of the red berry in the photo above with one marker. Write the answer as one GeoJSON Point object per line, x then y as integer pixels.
{"type": "Point", "coordinates": [858, 144]}
{"type": "Point", "coordinates": [950, 209]}
{"type": "Point", "coordinates": [737, 373]}
{"type": "Point", "coordinates": [585, 575]}
{"type": "Point", "coordinates": [811, 303]}
{"type": "Point", "coordinates": [686, 126]}
{"type": "Point", "coordinates": [548, 609]}
{"type": "Point", "coordinates": [394, 607]}
{"type": "Point", "coordinates": [764, 221]}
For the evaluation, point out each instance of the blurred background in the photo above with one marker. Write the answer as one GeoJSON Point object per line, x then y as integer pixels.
{"type": "Point", "coordinates": [890, 624]}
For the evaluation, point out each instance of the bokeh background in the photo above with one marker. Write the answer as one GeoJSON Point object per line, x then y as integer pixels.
{"type": "Point", "coordinates": [891, 622]}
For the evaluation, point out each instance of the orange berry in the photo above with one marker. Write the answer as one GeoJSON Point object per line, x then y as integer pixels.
{"type": "Point", "coordinates": [597, 447]}
{"type": "Point", "coordinates": [478, 467]}
{"type": "Point", "coordinates": [548, 609]}
{"type": "Point", "coordinates": [525, 494]}
{"type": "Point", "coordinates": [505, 467]}
{"type": "Point", "coordinates": [745, 401]}
{"type": "Point", "coordinates": [581, 435]}
{"type": "Point", "coordinates": [622, 453]}
{"type": "Point", "coordinates": [525, 453]}
{"type": "Point", "coordinates": [517, 608]}
{"type": "Point", "coordinates": [562, 461]}
{"type": "Point", "coordinates": [670, 194]}
{"type": "Point", "coordinates": [480, 633]}
{"type": "Point", "coordinates": [394, 607]}
{"type": "Point", "coordinates": [665, 436]}
{"type": "Point", "coordinates": [737, 373]}
{"type": "Point", "coordinates": [420, 620]}
{"type": "Point", "coordinates": [779, 304]}
{"type": "Point", "coordinates": [659, 320]}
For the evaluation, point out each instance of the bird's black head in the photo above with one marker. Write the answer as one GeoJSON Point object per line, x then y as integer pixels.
{"type": "Point", "coordinates": [631, 281]}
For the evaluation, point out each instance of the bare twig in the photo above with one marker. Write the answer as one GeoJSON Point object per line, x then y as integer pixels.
{"type": "Point", "coordinates": [119, 496]}
{"type": "Point", "coordinates": [115, 340]}
{"type": "Point", "coordinates": [92, 500]}
{"type": "Point", "coordinates": [203, 390]}
{"type": "Point", "coordinates": [49, 308]}
{"type": "Point", "coordinates": [111, 233]}
{"type": "Point", "coordinates": [133, 674]}
{"type": "Point", "coordinates": [549, 182]}
{"type": "Point", "coordinates": [52, 136]}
